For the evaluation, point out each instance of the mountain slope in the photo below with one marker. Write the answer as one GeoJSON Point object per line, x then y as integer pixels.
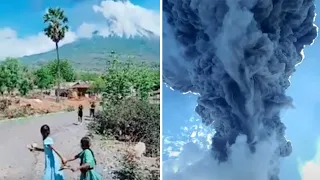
{"type": "Point", "coordinates": [92, 54]}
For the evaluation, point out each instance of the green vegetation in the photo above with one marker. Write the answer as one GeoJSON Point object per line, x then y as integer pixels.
{"type": "Point", "coordinates": [66, 70]}
{"type": "Point", "coordinates": [92, 55]}
{"type": "Point", "coordinates": [88, 76]}
{"type": "Point", "coordinates": [125, 78]}
{"type": "Point", "coordinates": [98, 84]}
{"type": "Point", "coordinates": [127, 113]}
{"type": "Point", "coordinates": [131, 170]}
{"type": "Point", "coordinates": [45, 76]}
{"type": "Point", "coordinates": [56, 28]}
{"type": "Point", "coordinates": [14, 76]}
{"type": "Point", "coordinates": [120, 79]}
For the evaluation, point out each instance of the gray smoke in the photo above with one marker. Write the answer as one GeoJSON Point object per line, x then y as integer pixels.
{"type": "Point", "coordinates": [238, 55]}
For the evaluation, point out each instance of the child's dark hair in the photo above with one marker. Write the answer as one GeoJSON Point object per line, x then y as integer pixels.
{"type": "Point", "coordinates": [85, 143]}
{"type": "Point", "coordinates": [45, 131]}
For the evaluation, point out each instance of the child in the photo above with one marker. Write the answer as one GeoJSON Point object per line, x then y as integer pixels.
{"type": "Point", "coordinates": [92, 109]}
{"type": "Point", "coordinates": [80, 114]}
{"type": "Point", "coordinates": [87, 161]}
{"type": "Point", "coordinates": [52, 157]}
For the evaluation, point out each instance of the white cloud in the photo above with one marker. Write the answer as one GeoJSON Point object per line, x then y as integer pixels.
{"type": "Point", "coordinates": [85, 30]}
{"type": "Point", "coordinates": [11, 45]}
{"type": "Point", "coordinates": [127, 19]}
{"type": "Point", "coordinates": [311, 169]}
{"type": "Point", "coordinates": [195, 163]}
{"type": "Point", "coordinates": [122, 19]}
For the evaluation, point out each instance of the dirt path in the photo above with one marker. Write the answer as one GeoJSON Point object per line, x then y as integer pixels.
{"type": "Point", "coordinates": [16, 161]}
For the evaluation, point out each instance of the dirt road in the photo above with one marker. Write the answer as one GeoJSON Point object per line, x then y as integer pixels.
{"type": "Point", "coordinates": [16, 162]}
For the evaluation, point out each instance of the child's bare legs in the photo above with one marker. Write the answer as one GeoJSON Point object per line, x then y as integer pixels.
{"type": "Point", "coordinates": [80, 119]}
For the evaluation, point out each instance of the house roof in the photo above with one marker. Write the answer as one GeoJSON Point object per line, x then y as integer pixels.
{"type": "Point", "coordinates": [66, 85]}
{"type": "Point", "coordinates": [81, 85]}
{"type": "Point", "coordinates": [72, 85]}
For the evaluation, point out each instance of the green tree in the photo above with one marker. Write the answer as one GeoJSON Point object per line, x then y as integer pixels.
{"type": "Point", "coordinates": [144, 80]}
{"type": "Point", "coordinates": [3, 79]}
{"type": "Point", "coordinates": [124, 78]}
{"type": "Point", "coordinates": [29, 75]}
{"type": "Point", "coordinates": [67, 72]}
{"type": "Point", "coordinates": [98, 85]}
{"type": "Point", "coordinates": [56, 28]}
{"type": "Point", "coordinates": [88, 76]}
{"type": "Point", "coordinates": [12, 73]}
{"type": "Point", "coordinates": [117, 83]}
{"type": "Point", "coordinates": [44, 78]}
{"type": "Point", "coordinates": [24, 87]}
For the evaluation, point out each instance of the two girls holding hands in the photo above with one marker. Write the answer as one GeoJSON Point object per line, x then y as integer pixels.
{"type": "Point", "coordinates": [54, 160]}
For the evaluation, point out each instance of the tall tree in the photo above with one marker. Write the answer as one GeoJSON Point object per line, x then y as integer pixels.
{"type": "Point", "coordinates": [56, 28]}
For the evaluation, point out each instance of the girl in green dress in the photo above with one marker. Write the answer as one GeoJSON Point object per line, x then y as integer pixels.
{"type": "Point", "coordinates": [87, 161]}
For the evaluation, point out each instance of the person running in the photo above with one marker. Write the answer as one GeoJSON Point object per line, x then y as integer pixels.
{"type": "Point", "coordinates": [80, 114]}
{"type": "Point", "coordinates": [87, 161]}
{"type": "Point", "coordinates": [53, 158]}
{"type": "Point", "coordinates": [92, 109]}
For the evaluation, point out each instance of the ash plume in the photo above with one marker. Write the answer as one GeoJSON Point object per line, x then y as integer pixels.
{"type": "Point", "coordinates": [238, 55]}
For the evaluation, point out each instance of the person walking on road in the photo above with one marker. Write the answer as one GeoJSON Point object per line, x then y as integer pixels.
{"type": "Point", "coordinates": [53, 158]}
{"type": "Point", "coordinates": [80, 114]}
{"type": "Point", "coordinates": [92, 109]}
{"type": "Point", "coordinates": [87, 161]}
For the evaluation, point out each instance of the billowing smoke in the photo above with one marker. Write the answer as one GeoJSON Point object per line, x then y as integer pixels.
{"type": "Point", "coordinates": [238, 55]}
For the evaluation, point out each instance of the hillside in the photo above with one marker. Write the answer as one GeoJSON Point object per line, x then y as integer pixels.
{"type": "Point", "coordinates": [92, 54]}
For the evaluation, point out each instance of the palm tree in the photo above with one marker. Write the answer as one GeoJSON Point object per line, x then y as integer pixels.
{"type": "Point", "coordinates": [56, 29]}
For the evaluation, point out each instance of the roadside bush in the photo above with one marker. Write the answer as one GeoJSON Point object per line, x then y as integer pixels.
{"type": "Point", "coordinates": [70, 109]}
{"type": "Point", "coordinates": [154, 175]}
{"type": "Point", "coordinates": [129, 170]}
{"type": "Point", "coordinates": [4, 104]}
{"type": "Point", "coordinates": [16, 113]}
{"type": "Point", "coordinates": [131, 120]}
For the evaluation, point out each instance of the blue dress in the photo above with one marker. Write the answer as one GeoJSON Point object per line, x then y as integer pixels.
{"type": "Point", "coordinates": [52, 162]}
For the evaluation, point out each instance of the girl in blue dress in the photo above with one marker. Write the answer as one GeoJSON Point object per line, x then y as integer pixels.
{"type": "Point", "coordinates": [53, 158]}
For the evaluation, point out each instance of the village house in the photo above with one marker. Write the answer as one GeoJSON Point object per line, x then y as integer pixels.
{"type": "Point", "coordinates": [81, 88]}
{"type": "Point", "coordinates": [73, 89]}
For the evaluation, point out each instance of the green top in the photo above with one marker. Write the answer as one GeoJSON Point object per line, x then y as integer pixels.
{"type": "Point", "coordinates": [86, 157]}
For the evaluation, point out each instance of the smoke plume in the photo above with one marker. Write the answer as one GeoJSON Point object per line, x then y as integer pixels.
{"type": "Point", "coordinates": [238, 55]}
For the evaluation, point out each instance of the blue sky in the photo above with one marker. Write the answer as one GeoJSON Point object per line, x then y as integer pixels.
{"type": "Point", "coordinates": [21, 22]}
{"type": "Point", "coordinates": [26, 16]}
{"type": "Point", "coordinates": [303, 122]}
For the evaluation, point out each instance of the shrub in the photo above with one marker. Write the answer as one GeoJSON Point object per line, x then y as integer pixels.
{"type": "Point", "coordinates": [154, 175]}
{"type": "Point", "coordinates": [16, 113]}
{"type": "Point", "coordinates": [70, 109]}
{"type": "Point", "coordinates": [4, 104]}
{"type": "Point", "coordinates": [131, 120]}
{"type": "Point", "coordinates": [129, 170]}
